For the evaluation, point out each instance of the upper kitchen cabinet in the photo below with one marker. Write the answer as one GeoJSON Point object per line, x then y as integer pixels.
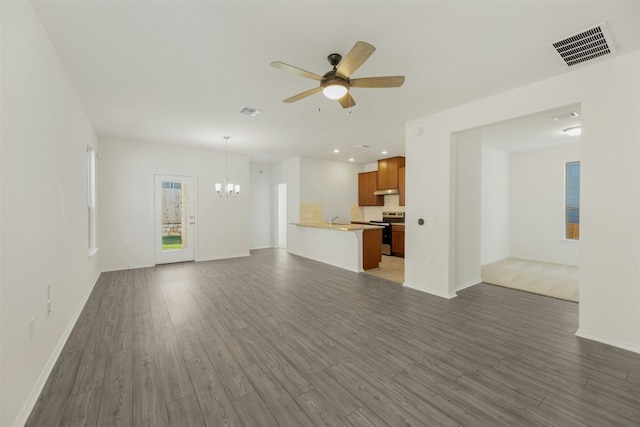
{"type": "Point", "coordinates": [388, 170]}
{"type": "Point", "coordinates": [401, 186]}
{"type": "Point", "coordinates": [367, 184]}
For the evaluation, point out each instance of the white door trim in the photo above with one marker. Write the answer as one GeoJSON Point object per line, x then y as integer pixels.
{"type": "Point", "coordinates": [175, 255]}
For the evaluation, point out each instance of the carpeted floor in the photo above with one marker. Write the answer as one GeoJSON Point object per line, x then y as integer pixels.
{"type": "Point", "coordinates": [554, 280]}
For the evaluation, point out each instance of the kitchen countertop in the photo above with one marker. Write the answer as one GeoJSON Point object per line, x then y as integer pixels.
{"type": "Point", "coordinates": [338, 226]}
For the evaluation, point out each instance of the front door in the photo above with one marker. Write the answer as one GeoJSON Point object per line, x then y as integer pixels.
{"type": "Point", "coordinates": [174, 218]}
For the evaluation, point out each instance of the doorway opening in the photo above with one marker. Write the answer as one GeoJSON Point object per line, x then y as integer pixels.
{"type": "Point", "coordinates": [510, 192]}
{"type": "Point", "coordinates": [282, 217]}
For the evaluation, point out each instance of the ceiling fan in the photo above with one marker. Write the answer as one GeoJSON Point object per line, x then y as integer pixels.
{"type": "Point", "coordinates": [336, 83]}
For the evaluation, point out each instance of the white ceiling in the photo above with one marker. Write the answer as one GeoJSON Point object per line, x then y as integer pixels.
{"type": "Point", "coordinates": [179, 71]}
{"type": "Point", "coordinates": [532, 132]}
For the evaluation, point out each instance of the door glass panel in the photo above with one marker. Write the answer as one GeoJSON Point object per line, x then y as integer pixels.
{"type": "Point", "coordinates": [175, 215]}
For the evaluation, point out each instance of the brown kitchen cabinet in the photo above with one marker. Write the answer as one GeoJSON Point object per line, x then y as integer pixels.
{"type": "Point", "coordinates": [388, 172]}
{"type": "Point", "coordinates": [371, 248]}
{"type": "Point", "coordinates": [401, 186]}
{"type": "Point", "coordinates": [367, 184]}
{"type": "Point", "coordinates": [397, 240]}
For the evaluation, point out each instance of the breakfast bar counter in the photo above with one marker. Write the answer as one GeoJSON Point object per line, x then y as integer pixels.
{"type": "Point", "coordinates": [355, 247]}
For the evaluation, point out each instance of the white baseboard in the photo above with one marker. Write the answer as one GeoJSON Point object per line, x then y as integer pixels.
{"type": "Point", "coordinates": [126, 267]}
{"type": "Point", "coordinates": [468, 284]}
{"type": "Point", "coordinates": [430, 291]}
{"type": "Point", "coordinates": [593, 337]}
{"type": "Point", "coordinates": [32, 399]}
{"type": "Point", "coordinates": [242, 255]}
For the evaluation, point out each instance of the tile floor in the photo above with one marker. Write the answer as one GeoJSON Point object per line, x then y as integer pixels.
{"type": "Point", "coordinates": [391, 268]}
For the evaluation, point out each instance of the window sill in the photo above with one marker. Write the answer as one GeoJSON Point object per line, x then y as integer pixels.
{"type": "Point", "coordinates": [93, 251]}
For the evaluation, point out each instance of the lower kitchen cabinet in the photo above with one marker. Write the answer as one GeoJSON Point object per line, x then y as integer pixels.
{"type": "Point", "coordinates": [371, 248]}
{"type": "Point", "coordinates": [397, 240]}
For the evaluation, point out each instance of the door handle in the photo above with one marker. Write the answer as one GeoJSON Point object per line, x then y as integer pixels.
{"type": "Point", "coordinates": [192, 222]}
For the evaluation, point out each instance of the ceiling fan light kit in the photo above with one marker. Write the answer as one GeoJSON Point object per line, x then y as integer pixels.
{"type": "Point", "coordinates": [335, 89]}
{"type": "Point", "coordinates": [336, 83]}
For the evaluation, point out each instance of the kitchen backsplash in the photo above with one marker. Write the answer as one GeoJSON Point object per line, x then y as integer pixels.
{"type": "Point", "coordinates": [357, 213]}
{"type": "Point", "coordinates": [391, 204]}
{"type": "Point", "coordinates": [310, 212]}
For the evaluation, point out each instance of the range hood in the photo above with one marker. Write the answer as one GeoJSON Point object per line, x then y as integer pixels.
{"type": "Point", "coordinates": [386, 192]}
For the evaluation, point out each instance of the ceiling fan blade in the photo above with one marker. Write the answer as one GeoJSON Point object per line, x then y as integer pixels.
{"type": "Point", "coordinates": [302, 95]}
{"type": "Point", "coordinates": [359, 53]}
{"type": "Point", "coordinates": [299, 71]}
{"type": "Point", "coordinates": [374, 82]}
{"type": "Point", "coordinates": [347, 101]}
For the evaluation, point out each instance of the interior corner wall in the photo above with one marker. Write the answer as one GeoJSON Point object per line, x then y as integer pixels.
{"type": "Point", "coordinates": [537, 194]}
{"type": "Point", "coordinates": [495, 217]}
{"type": "Point", "coordinates": [261, 210]}
{"type": "Point", "coordinates": [45, 133]}
{"type": "Point", "coordinates": [467, 208]}
{"type": "Point", "coordinates": [609, 93]}
{"type": "Point", "coordinates": [1, 224]}
{"type": "Point", "coordinates": [126, 188]}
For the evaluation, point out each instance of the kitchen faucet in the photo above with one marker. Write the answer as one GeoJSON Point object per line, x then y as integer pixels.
{"type": "Point", "coordinates": [331, 219]}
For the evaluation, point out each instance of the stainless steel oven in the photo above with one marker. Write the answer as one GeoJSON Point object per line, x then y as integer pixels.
{"type": "Point", "coordinates": [388, 218]}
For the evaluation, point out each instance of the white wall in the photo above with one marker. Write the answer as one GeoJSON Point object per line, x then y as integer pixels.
{"type": "Point", "coordinates": [333, 184]}
{"type": "Point", "coordinates": [495, 218]}
{"type": "Point", "coordinates": [609, 93]}
{"type": "Point", "coordinates": [45, 134]}
{"type": "Point", "coordinates": [261, 210]}
{"type": "Point", "coordinates": [537, 205]}
{"type": "Point", "coordinates": [467, 207]}
{"type": "Point", "coordinates": [126, 189]}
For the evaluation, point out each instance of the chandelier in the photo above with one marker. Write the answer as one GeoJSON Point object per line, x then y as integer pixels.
{"type": "Point", "coordinates": [227, 189]}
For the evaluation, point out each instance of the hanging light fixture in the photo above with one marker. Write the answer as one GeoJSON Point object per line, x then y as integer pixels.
{"type": "Point", "coordinates": [228, 189]}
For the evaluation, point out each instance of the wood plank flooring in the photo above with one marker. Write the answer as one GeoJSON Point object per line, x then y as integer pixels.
{"type": "Point", "coordinates": [278, 340]}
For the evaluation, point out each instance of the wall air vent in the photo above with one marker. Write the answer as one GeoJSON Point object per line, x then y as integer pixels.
{"type": "Point", "coordinates": [586, 45]}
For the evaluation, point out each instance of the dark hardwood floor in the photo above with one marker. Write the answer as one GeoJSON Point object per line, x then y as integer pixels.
{"type": "Point", "coordinates": [278, 340]}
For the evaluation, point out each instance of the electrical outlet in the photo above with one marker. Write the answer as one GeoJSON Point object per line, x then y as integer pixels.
{"type": "Point", "coordinates": [32, 327]}
{"type": "Point", "coordinates": [432, 261]}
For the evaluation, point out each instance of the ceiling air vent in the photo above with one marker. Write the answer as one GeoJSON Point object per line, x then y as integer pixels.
{"type": "Point", "coordinates": [585, 45]}
{"type": "Point", "coordinates": [248, 111]}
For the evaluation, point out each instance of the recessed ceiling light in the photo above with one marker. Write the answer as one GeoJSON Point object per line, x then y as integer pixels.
{"type": "Point", "coordinates": [565, 116]}
{"type": "Point", "coordinates": [351, 159]}
{"type": "Point", "coordinates": [336, 151]}
{"type": "Point", "coordinates": [385, 152]}
{"type": "Point", "coordinates": [573, 130]}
